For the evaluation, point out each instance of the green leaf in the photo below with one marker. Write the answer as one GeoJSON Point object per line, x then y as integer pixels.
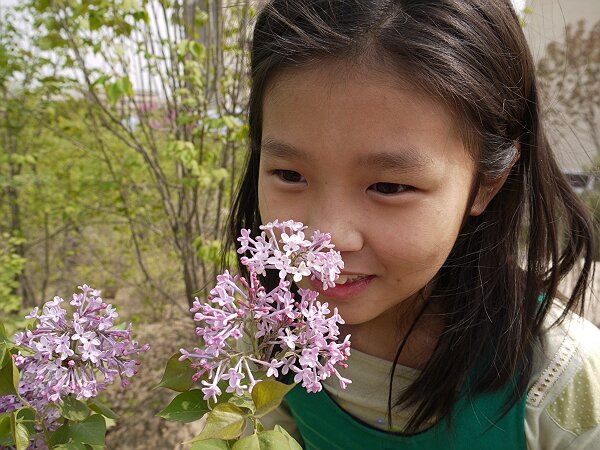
{"type": "Point", "coordinates": [225, 421]}
{"type": "Point", "coordinates": [113, 92]}
{"type": "Point", "coordinates": [26, 416]}
{"type": "Point", "coordinates": [197, 49]}
{"type": "Point", "coordinates": [141, 15]}
{"type": "Point", "coordinates": [20, 432]}
{"type": "Point", "coordinates": [126, 86]}
{"type": "Point", "coordinates": [268, 394]}
{"type": "Point", "coordinates": [9, 375]}
{"type": "Point", "coordinates": [186, 407]}
{"type": "Point", "coordinates": [101, 80]}
{"type": "Point", "coordinates": [21, 435]}
{"type": "Point", "coordinates": [109, 422]}
{"type": "Point", "coordinates": [243, 402]}
{"type": "Point", "coordinates": [3, 334]}
{"type": "Point", "coordinates": [3, 359]}
{"type": "Point", "coordinates": [178, 375]}
{"type": "Point", "coordinates": [91, 431]}
{"type": "Point", "coordinates": [201, 18]}
{"type": "Point", "coordinates": [83, 435]}
{"type": "Point", "coordinates": [6, 437]}
{"type": "Point", "coordinates": [211, 444]}
{"type": "Point", "coordinates": [95, 20]}
{"type": "Point", "coordinates": [267, 440]}
{"type": "Point", "coordinates": [74, 410]}
{"type": "Point", "coordinates": [293, 443]}
{"type": "Point", "coordinates": [99, 407]}
{"type": "Point", "coordinates": [60, 435]}
{"type": "Point", "coordinates": [116, 90]}
{"type": "Point", "coordinates": [70, 446]}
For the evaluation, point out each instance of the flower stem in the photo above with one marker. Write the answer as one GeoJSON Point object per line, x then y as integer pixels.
{"type": "Point", "coordinates": [40, 418]}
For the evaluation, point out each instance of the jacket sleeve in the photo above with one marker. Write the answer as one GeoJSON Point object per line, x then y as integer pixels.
{"type": "Point", "coordinates": [563, 403]}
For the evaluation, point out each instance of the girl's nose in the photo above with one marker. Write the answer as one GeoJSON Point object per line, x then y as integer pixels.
{"type": "Point", "coordinates": [346, 236]}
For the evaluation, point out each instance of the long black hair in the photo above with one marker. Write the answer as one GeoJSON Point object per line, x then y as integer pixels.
{"type": "Point", "coordinates": [502, 275]}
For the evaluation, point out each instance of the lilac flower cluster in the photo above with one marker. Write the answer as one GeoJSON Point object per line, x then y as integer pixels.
{"type": "Point", "coordinates": [297, 256]}
{"type": "Point", "coordinates": [280, 331]}
{"type": "Point", "coordinates": [79, 355]}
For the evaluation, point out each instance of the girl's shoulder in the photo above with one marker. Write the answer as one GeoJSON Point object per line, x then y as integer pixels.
{"type": "Point", "coordinates": [563, 401]}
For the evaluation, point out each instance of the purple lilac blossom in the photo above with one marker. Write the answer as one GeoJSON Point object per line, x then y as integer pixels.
{"type": "Point", "coordinates": [297, 256]}
{"type": "Point", "coordinates": [79, 355]}
{"type": "Point", "coordinates": [283, 331]}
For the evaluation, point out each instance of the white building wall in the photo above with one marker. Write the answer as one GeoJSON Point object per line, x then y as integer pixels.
{"type": "Point", "coordinates": [546, 23]}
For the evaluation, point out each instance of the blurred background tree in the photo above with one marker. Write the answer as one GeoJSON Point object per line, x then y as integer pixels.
{"type": "Point", "coordinates": [569, 74]}
{"type": "Point", "coordinates": [122, 125]}
{"type": "Point", "coordinates": [121, 136]}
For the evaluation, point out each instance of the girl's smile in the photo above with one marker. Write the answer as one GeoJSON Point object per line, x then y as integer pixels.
{"type": "Point", "coordinates": [347, 286]}
{"type": "Point", "coordinates": [381, 167]}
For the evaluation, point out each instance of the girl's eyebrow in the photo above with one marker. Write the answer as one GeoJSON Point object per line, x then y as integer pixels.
{"type": "Point", "coordinates": [278, 149]}
{"type": "Point", "coordinates": [406, 159]}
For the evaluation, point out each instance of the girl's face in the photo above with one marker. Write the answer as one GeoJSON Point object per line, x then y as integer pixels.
{"type": "Point", "coordinates": [378, 165]}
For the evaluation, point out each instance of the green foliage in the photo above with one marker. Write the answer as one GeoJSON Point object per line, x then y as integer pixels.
{"type": "Point", "coordinates": [225, 421]}
{"type": "Point", "coordinates": [90, 431]}
{"type": "Point", "coordinates": [222, 426]}
{"type": "Point", "coordinates": [71, 446]}
{"type": "Point", "coordinates": [177, 375]}
{"type": "Point", "coordinates": [210, 251]}
{"type": "Point", "coordinates": [211, 444]}
{"type": "Point", "coordinates": [16, 427]}
{"type": "Point", "coordinates": [186, 407]}
{"type": "Point", "coordinates": [244, 401]}
{"type": "Point", "coordinates": [73, 409]}
{"type": "Point", "coordinates": [4, 341]}
{"type": "Point", "coordinates": [78, 430]}
{"type": "Point", "coordinates": [9, 374]}
{"type": "Point", "coordinates": [6, 436]}
{"type": "Point", "coordinates": [79, 426]}
{"type": "Point", "coordinates": [98, 161]}
{"type": "Point", "coordinates": [277, 439]}
{"type": "Point", "coordinates": [102, 409]}
{"type": "Point", "coordinates": [22, 429]}
{"type": "Point", "coordinates": [11, 266]}
{"type": "Point", "coordinates": [121, 87]}
{"type": "Point", "coordinates": [107, 183]}
{"type": "Point", "coordinates": [268, 394]}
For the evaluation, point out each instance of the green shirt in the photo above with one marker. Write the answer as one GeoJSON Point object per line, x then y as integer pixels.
{"type": "Point", "coordinates": [477, 423]}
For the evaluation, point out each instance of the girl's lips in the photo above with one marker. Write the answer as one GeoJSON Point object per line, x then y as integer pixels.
{"type": "Point", "coordinates": [343, 291]}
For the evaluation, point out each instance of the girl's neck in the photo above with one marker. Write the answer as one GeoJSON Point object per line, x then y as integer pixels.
{"type": "Point", "coordinates": [382, 336]}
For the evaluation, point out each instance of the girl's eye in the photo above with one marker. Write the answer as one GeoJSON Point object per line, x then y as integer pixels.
{"type": "Point", "coordinates": [290, 176]}
{"type": "Point", "coordinates": [389, 188]}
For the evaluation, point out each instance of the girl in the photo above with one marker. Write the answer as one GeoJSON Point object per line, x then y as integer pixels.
{"type": "Point", "coordinates": [411, 131]}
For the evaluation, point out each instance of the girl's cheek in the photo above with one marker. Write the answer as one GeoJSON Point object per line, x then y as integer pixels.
{"type": "Point", "coordinates": [273, 206]}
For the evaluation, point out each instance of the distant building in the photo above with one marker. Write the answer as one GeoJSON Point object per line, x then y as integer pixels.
{"type": "Point", "coordinates": [545, 23]}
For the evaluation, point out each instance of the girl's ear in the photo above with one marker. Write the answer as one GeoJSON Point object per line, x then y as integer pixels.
{"type": "Point", "coordinates": [486, 193]}
{"type": "Point", "coordinates": [488, 189]}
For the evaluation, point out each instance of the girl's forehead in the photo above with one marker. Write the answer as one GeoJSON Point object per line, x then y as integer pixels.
{"type": "Point", "coordinates": [339, 73]}
{"type": "Point", "coordinates": [370, 90]}
{"type": "Point", "coordinates": [317, 108]}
